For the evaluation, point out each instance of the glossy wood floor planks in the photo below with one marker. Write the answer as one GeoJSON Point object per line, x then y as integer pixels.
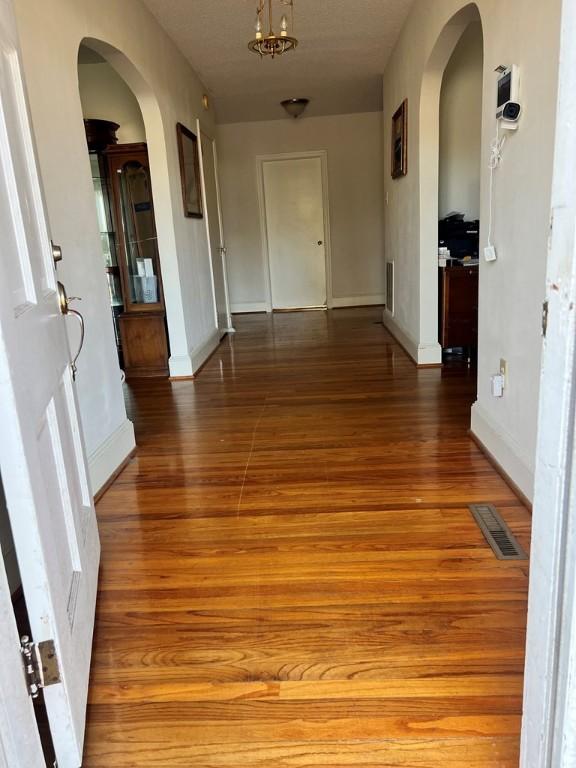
{"type": "Point", "coordinates": [290, 575]}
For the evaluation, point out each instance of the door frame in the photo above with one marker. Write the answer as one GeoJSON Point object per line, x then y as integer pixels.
{"type": "Point", "coordinates": [223, 252]}
{"type": "Point", "coordinates": [322, 154]}
{"type": "Point", "coordinates": [549, 722]}
{"type": "Point", "coordinates": [20, 745]}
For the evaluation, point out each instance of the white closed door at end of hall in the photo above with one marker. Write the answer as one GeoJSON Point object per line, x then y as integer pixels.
{"type": "Point", "coordinates": [294, 209]}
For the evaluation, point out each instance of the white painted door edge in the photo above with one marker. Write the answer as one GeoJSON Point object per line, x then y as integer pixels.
{"type": "Point", "coordinates": [206, 217]}
{"type": "Point", "coordinates": [230, 328]}
{"type": "Point", "coordinates": [549, 722]}
{"type": "Point", "coordinates": [19, 738]}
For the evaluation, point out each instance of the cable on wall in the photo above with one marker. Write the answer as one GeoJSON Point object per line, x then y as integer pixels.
{"type": "Point", "coordinates": [496, 150]}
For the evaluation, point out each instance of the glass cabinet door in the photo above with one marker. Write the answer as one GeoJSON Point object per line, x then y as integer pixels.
{"type": "Point", "coordinates": [102, 195]}
{"type": "Point", "coordinates": [139, 229]}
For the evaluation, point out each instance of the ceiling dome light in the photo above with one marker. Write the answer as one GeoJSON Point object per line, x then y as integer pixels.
{"type": "Point", "coordinates": [272, 44]}
{"type": "Point", "coordinates": [295, 107]}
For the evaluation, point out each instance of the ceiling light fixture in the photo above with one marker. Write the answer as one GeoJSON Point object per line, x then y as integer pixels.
{"type": "Point", "coordinates": [273, 44]}
{"type": "Point", "coordinates": [295, 107]}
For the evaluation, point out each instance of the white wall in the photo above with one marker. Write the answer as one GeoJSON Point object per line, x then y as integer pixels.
{"type": "Point", "coordinates": [354, 146]}
{"type": "Point", "coordinates": [105, 96]}
{"type": "Point", "coordinates": [168, 91]}
{"type": "Point", "coordinates": [461, 127]}
{"type": "Point", "coordinates": [512, 289]}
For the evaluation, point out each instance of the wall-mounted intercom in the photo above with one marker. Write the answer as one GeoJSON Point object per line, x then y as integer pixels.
{"type": "Point", "coordinates": [508, 109]}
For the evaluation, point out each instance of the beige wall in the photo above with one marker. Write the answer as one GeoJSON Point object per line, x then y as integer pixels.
{"type": "Point", "coordinates": [168, 91]}
{"type": "Point", "coordinates": [105, 96]}
{"type": "Point", "coordinates": [461, 127]}
{"type": "Point", "coordinates": [354, 147]}
{"type": "Point", "coordinates": [511, 289]}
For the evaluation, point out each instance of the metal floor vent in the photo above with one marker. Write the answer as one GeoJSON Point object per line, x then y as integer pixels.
{"type": "Point", "coordinates": [497, 533]}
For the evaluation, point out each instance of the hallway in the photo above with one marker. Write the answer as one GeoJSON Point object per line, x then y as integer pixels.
{"type": "Point", "coordinates": [290, 575]}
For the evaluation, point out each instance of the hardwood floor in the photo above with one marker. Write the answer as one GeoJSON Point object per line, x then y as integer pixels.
{"type": "Point", "coordinates": [290, 575]}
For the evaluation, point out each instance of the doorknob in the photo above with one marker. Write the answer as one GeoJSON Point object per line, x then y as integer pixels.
{"type": "Point", "coordinates": [64, 303]}
{"type": "Point", "coordinates": [56, 253]}
{"type": "Point", "coordinates": [320, 242]}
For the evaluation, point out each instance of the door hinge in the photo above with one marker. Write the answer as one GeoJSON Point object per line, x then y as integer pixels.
{"type": "Point", "coordinates": [40, 665]}
{"type": "Point", "coordinates": [544, 319]}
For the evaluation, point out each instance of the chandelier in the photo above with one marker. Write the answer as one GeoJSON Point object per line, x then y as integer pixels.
{"type": "Point", "coordinates": [272, 44]}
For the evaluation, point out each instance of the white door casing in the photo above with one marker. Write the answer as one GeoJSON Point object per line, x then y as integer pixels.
{"type": "Point", "coordinates": [295, 229]}
{"type": "Point", "coordinates": [549, 722]}
{"type": "Point", "coordinates": [42, 457]}
{"type": "Point", "coordinates": [214, 229]}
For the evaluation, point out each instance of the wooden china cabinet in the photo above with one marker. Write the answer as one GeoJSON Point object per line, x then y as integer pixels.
{"type": "Point", "coordinates": [142, 323]}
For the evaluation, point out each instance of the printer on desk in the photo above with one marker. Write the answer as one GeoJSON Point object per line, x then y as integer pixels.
{"type": "Point", "coordinates": [460, 237]}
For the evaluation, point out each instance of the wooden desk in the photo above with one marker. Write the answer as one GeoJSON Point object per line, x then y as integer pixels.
{"type": "Point", "coordinates": [458, 306]}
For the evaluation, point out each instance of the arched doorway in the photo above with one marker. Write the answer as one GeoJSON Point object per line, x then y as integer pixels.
{"type": "Point", "coordinates": [468, 18]}
{"type": "Point", "coordinates": [116, 140]}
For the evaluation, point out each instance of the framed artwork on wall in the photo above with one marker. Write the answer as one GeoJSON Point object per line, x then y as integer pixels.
{"type": "Point", "coordinates": [189, 172]}
{"type": "Point", "coordinates": [400, 141]}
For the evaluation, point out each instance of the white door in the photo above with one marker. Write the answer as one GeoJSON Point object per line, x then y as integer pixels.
{"type": "Point", "coordinates": [213, 214]}
{"type": "Point", "coordinates": [294, 210]}
{"type": "Point", "coordinates": [19, 739]}
{"type": "Point", "coordinates": [42, 460]}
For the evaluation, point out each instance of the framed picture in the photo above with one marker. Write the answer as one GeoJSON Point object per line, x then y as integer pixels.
{"type": "Point", "coordinates": [400, 141]}
{"type": "Point", "coordinates": [189, 172]}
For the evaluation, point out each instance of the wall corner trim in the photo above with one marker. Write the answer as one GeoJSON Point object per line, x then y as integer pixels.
{"type": "Point", "coordinates": [180, 366]}
{"type": "Point", "coordinates": [105, 460]}
{"type": "Point", "coordinates": [503, 450]}
{"type": "Point", "coordinates": [421, 354]}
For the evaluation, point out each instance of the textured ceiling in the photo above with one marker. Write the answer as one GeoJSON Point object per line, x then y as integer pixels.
{"type": "Point", "coordinates": [343, 48]}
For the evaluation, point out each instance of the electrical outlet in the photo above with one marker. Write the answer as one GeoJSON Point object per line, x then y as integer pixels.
{"type": "Point", "coordinates": [497, 385]}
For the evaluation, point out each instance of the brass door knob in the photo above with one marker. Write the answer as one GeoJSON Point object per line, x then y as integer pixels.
{"type": "Point", "coordinates": [65, 309]}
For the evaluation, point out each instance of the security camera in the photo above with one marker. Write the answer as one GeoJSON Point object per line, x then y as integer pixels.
{"type": "Point", "coordinates": [511, 112]}
{"type": "Point", "coordinates": [510, 115]}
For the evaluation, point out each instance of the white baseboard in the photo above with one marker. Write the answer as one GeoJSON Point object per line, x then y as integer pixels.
{"type": "Point", "coordinates": [422, 354]}
{"type": "Point", "coordinates": [359, 301]}
{"type": "Point", "coordinates": [203, 351]}
{"type": "Point", "coordinates": [249, 306]}
{"type": "Point", "coordinates": [430, 354]}
{"type": "Point", "coordinates": [180, 366]}
{"type": "Point", "coordinates": [109, 456]}
{"type": "Point", "coordinates": [504, 449]}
